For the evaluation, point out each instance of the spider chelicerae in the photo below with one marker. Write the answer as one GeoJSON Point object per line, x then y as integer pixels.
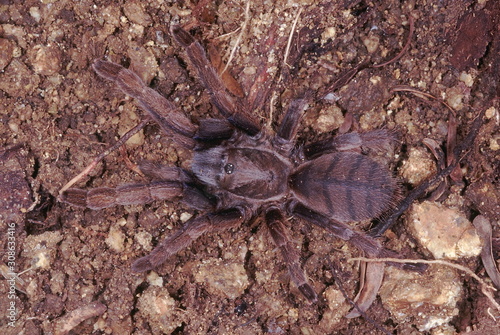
{"type": "Point", "coordinates": [240, 170]}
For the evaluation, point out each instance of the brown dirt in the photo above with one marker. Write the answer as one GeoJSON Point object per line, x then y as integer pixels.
{"type": "Point", "coordinates": [62, 115]}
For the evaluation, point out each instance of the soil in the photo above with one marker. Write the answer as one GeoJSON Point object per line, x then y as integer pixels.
{"type": "Point", "coordinates": [57, 115]}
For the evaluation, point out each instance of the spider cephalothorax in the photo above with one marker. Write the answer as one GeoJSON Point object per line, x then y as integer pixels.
{"type": "Point", "coordinates": [239, 171]}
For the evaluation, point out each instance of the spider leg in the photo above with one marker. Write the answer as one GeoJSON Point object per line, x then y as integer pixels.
{"type": "Point", "coordinates": [214, 130]}
{"type": "Point", "coordinates": [173, 183]}
{"type": "Point", "coordinates": [158, 172]}
{"type": "Point", "coordinates": [379, 139]}
{"type": "Point", "coordinates": [291, 121]}
{"type": "Point", "coordinates": [362, 241]}
{"type": "Point", "coordinates": [280, 236]}
{"type": "Point", "coordinates": [170, 119]}
{"type": "Point", "coordinates": [191, 230]}
{"type": "Point", "coordinates": [229, 107]}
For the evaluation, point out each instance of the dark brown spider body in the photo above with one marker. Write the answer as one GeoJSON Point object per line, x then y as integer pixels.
{"type": "Point", "coordinates": [239, 170]}
{"type": "Point", "coordinates": [246, 167]}
{"type": "Point", "coordinates": [345, 186]}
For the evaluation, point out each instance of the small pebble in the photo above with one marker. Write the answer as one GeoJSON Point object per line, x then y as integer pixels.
{"type": "Point", "coordinates": [41, 249]}
{"type": "Point", "coordinates": [419, 166]}
{"type": "Point", "coordinates": [46, 59]}
{"type": "Point", "coordinates": [454, 97]}
{"type": "Point", "coordinates": [371, 43]}
{"type": "Point", "coordinates": [6, 52]}
{"type": "Point", "coordinates": [14, 126]}
{"type": "Point", "coordinates": [35, 13]}
{"type": "Point", "coordinates": [337, 308]}
{"type": "Point", "coordinates": [223, 277]}
{"type": "Point", "coordinates": [115, 239]}
{"type": "Point", "coordinates": [135, 12]}
{"type": "Point", "coordinates": [160, 309]}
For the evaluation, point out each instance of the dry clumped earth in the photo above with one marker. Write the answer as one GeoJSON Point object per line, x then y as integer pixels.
{"type": "Point", "coordinates": [56, 115]}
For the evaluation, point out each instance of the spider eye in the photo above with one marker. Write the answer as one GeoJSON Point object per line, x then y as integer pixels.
{"type": "Point", "coordinates": [229, 168]}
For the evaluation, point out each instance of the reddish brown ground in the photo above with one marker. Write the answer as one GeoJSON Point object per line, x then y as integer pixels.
{"type": "Point", "coordinates": [63, 115]}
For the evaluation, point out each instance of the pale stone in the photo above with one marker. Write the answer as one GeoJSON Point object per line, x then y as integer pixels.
{"type": "Point", "coordinates": [494, 143]}
{"type": "Point", "coordinates": [337, 308]}
{"type": "Point", "coordinates": [159, 308]}
{"type": "Point", "coordinates": [371, 43]}
{"type": "Point", "coordinates": [135, 12]}
{"type": "Point", "coordinates": [185, 216]}
{"type": "Point", "coordinates": [41, 249]}
{"type": "Point", "coordinates": [419, 166]}
{"type": "Point", "coordinates": [467, 79]}
{"type": "Point", "coordinates": [143, 238]}
{"type": "Point", "coordinates": [154, 279]}
{"type": "Point", "coordinates": [35, 13]}
{"type": "Point", "coordinates": [6, 51]}
{"type": "Point", "coordinates": [454, 97]}
{"type": "Point", "coordinates": [329, 33]}
{"type": "Point", "coordinates": [443, 231]}
{"type": "Point", "coordinates": [46, 59]}
{"type": "Point", "coordinates": [219, 276]}
{"type": "Point", "coordinates": [490, 112]}
{"type": "Point", "coordinates": [428, 300]}
{"type": "Point", "coordinates": [115, 239]}
{"type": "Point", "coordinates": [329, 119]}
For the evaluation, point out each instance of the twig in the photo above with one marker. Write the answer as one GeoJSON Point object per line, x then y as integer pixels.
{"type": "Point", "coordinates": [240, 36]}
{"type": "Point", "coordinates": [66, 323]}
{"type": "Point", "coordinates": [271, 111]}
{"type": "Point", "coordinates": [484, 286]}
{"type": "Point", "coordinates": [289, 43]}
{"type": "Point", "coordinates": [403, 88]}
{"type": "Point", "coordinates": [402, 52]}
{"type": "Point", "coordinates": [99, 158]}
{"type": "Point", "coordinates": [133, 167]}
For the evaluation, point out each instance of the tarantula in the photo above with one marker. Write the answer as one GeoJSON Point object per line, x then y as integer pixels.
{"type": "Point", "coordinates": [239, 171]}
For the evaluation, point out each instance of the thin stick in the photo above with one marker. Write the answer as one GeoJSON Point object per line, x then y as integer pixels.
{"type": "Point", "coordinates": [402, 52]}
{"type": "Point", "coordinates": [289, 43]}
{"type": "Point", "coordinates": [99, 158]}
{"type": "Point", "coordinates": [64, 324]}
{"type": "Point", "coordinates": [403, 88]}
{"type": "Point", "coordinates": [240, 36]}
{"type": "Point", "coordinates": [271, 111]}
{"type": "Point", "coordinates": [484, 287]}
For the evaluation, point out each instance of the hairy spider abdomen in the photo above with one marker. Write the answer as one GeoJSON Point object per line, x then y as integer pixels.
{"type": "Point", "coordinates": [345, 186]}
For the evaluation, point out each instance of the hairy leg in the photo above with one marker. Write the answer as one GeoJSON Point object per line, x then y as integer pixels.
{"type": "Point", "coordinates": [159, 172]}
{"type": "Point", "coordinates": [343, 231]}
{"type": "Point", "coordinates": [379, 139]}
{"type": "Point", "coordinates": [136, 194]}
{"type": "Point", "coordinates": [214, 130]}
{"type": "Point", "coordinates": [280, 236]}
{"type": "Point", "coordinates": [362, 241]}
{"type": "Point", "coordinates": [162, 111]}
{"type": "Point", "coordinates": [228, 106]}
{"type": "Point", "coordinates": [191, 230]}
{"type": "Point", "coordinates": [291, 121]}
